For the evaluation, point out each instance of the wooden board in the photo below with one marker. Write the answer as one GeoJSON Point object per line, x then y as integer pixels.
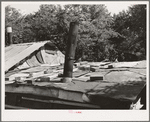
{"type": "Point", "coordinates": [35, 69]}
{"type": "Point", "coordinates": [14, 51]}
{"type": "Point", "coordinates": [8, 48]}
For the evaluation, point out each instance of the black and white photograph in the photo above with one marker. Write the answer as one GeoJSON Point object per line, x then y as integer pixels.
{"type": "Point", "coordinates": [78, 60]}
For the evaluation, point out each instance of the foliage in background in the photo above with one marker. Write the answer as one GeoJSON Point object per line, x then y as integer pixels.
{"type": "Point", "coordinates": [132, 25]}
{"type": "Point", "coordinates": [13, 18]}
{"type": "Point", "coordinates": [101, 36]}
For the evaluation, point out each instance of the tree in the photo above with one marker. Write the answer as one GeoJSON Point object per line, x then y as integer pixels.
{"type": "Point", "coordinates": [14, 19]}
{"type": "Point", "coordinates": [51, 22]}
{"type": "Point", "coordinates": [94, 31]}
{"type": "Point", "coordinates": [132, 25]}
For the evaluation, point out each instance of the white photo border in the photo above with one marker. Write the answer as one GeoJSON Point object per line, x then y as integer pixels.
{"type": "Point", "coordinates": [65, 115]}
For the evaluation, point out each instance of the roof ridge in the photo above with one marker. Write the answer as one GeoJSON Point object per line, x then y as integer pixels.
{"type": "Point", "coordinates": [29, 43]}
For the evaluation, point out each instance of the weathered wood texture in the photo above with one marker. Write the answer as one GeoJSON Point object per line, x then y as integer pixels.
{"type": "Point", "coordinates": [120, 85]}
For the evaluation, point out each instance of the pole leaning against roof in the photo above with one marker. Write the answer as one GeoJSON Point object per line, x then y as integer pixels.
{"type": "Point", "coordinates": [70, 52]}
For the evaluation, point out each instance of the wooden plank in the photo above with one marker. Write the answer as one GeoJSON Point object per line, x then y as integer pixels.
{"type": "Point", "coordinates": [9, 82]}
{"type": "Point", "coordinates": [94, 78]}
{"type": "Point", "coordinates": [14, 60]}
{"type": "Point", "coordinates": [14, 51]}
{"type": "Point", "coordinates": [21, 75]}
{"type": "Point", "coordinates": [41, 76]}
{"type": "Point", "coordinates": [125, 64]}
{"type": "Point", "coordinates": [36, 69]}
{"type": "Point", "coordinates": [79, 73]}
{"type": "Point", "coordinates": [8, 48]}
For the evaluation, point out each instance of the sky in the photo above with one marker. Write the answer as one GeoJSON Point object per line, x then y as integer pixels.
{"type": "Point", "coordinates": [30, 7]}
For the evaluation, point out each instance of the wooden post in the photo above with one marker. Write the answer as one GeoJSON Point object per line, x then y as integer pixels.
{"type": "Point", "coordinates": [70, 52]}
{"type": "Point", "coordinates": [9, 31]}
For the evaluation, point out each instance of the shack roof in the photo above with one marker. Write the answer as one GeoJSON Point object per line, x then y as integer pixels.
{"type": "Point", "coordinates": [16, 53]}
{"type": "Point", "coordinates": [106, 84]}
{"type": "Point", "coordinates": [123, 82]}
